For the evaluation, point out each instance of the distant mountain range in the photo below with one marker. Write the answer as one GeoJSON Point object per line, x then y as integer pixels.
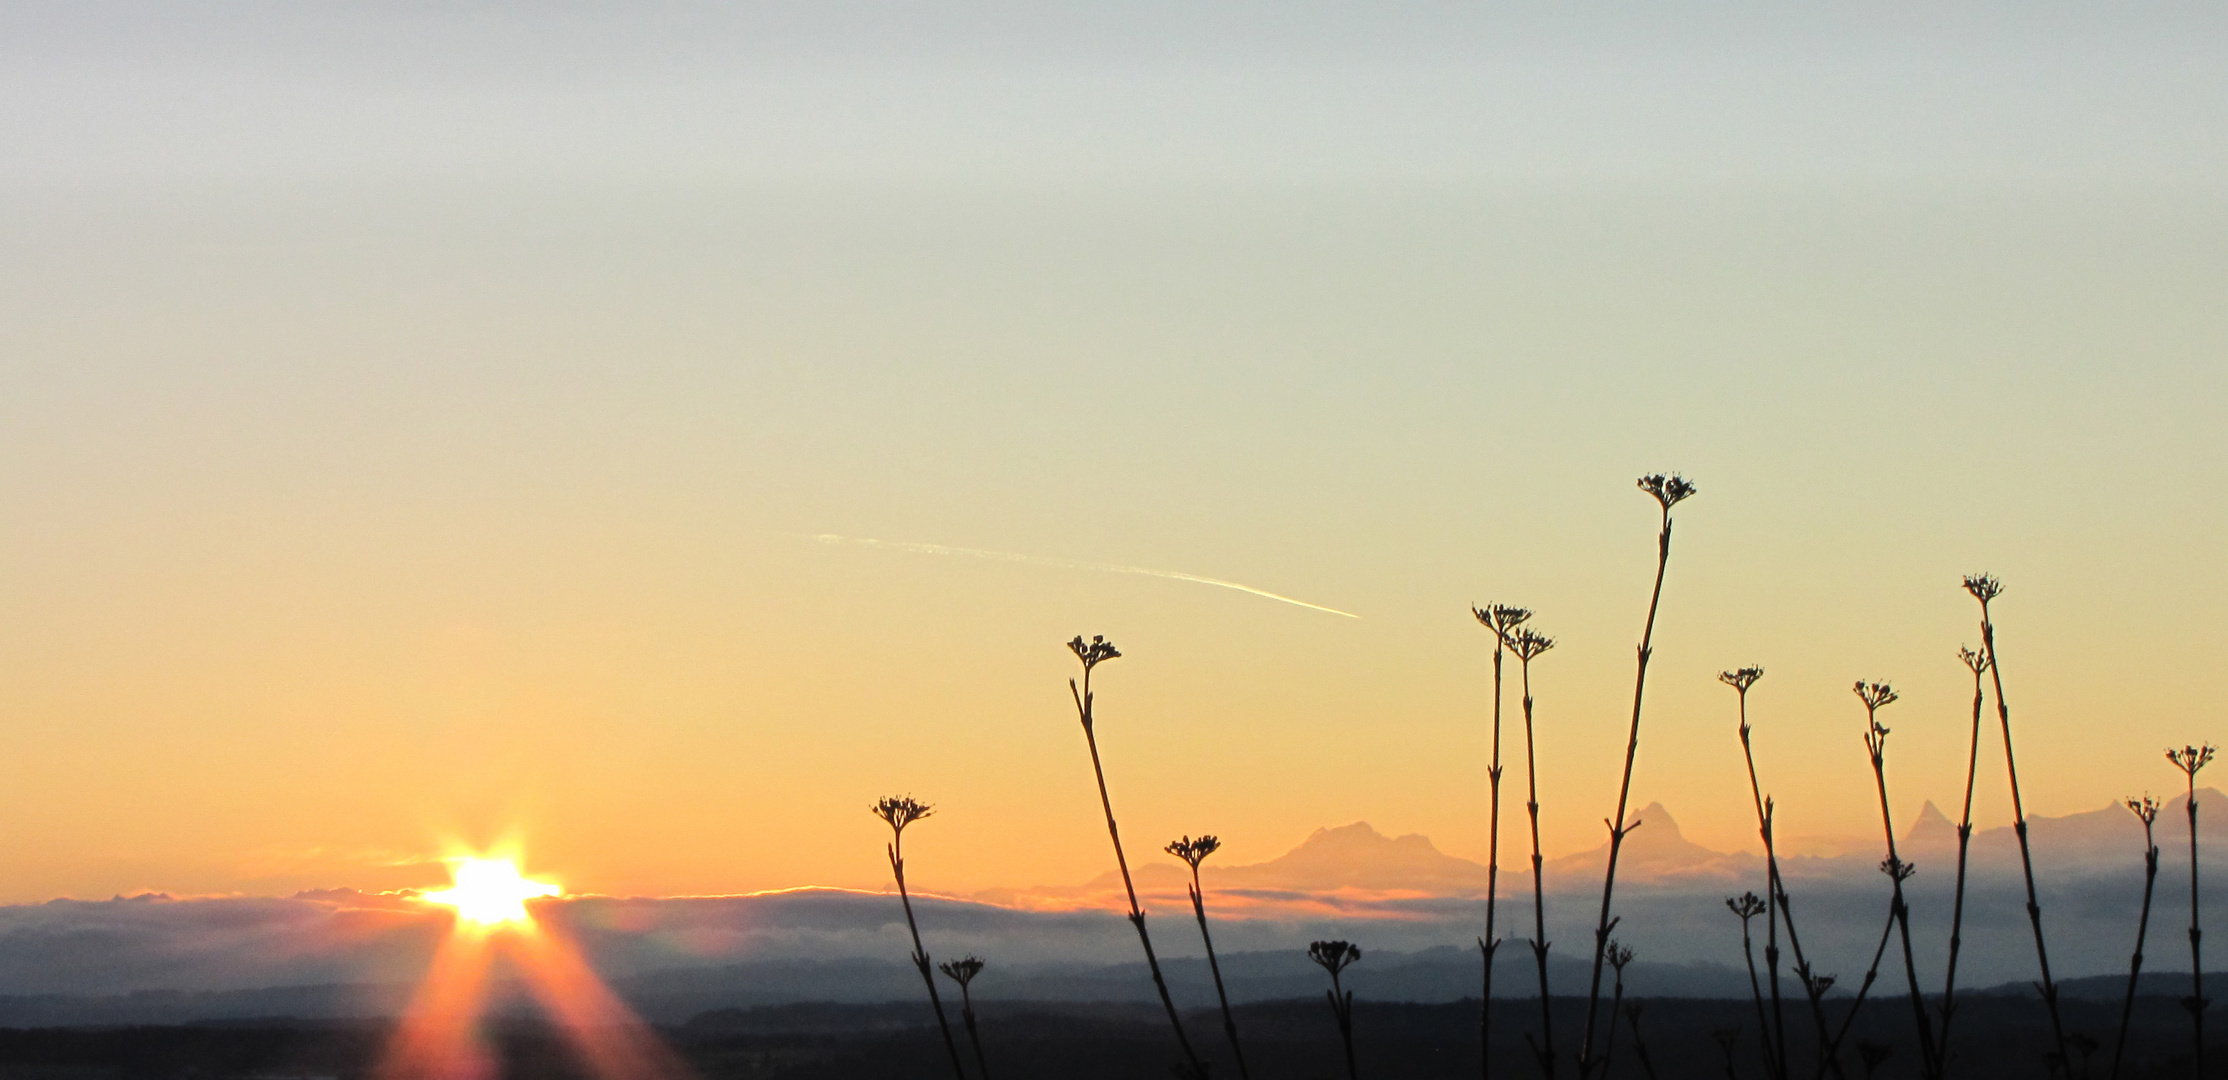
{"type": "Point", "coordinates": [1336, 868]}
{"type": "Point", "coordinates": [1415, 910]}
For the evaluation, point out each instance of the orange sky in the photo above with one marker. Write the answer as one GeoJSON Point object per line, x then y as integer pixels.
{"type": "Point", "coordinates": [385, 479]}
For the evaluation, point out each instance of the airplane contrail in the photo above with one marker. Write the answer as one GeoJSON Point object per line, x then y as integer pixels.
{"type": "Point", "coordinates": [1070, 564]}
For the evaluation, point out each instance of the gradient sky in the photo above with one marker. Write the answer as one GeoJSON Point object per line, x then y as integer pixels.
{"type": "Point", "coordinates": [414, 421]}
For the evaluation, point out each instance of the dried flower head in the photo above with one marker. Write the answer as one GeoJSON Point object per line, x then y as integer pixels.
{"type": "Point", "coordinates": [1618, 956]}
{"type": "Point", "coordinates": [1983, 587]}
{"type": "Point", "coordinates": [1528, 643]}
{"type": "Point", "coordinates": [1747, 905]}
{"type": "Point", "coordinates": [2189, 759]}
{"type": "Point", "coordinates": [1874, 694]}
{"type": "Point", "coordinates": [1098, 649]}
{"type": "Point", "coordinates": [1898, 869]}
{"type": "Point", "coordinates": [1975, 662]}
{"type": "Point", "coordinates": [900, 810]}
{"type": "Point", "coordinates": [1668, 489]}
{"type": "Point", "coordinates": [1194, 851]}
{"type": "Point", "coordinates": [1822, 983]}
{"type": "Point", "coordinates": [1741, 680]}
{"type": "Point", "coordinates": [962, 971]}
{"type": "Point", "coordinates": [1501, 618]}
{"type": "Point", "coordinates": [1333, 955]}
{"type": "Point", "coordinates": [1873, 1053]}
{"type": "Point", "coordinates": [2145, 808]}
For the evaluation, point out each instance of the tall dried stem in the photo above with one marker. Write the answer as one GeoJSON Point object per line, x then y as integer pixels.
{"type": "Point", "coordinates": [1985, 589]}
{"type": "Point", "coordinates": [1528, 645]}
{"type": "Point", "coordinates": [1830, 1052]}
{"type": "Point", "coordinates": [900, 811]}
{"type": "Point", "coordinates": [1334, 956]}
{"type": "Point", "coordinates": [1503, 621]}
{"type": "Point", "coordinates": [963, 972]}
{"type": "Point", "coordinates": [1193, 852]}
{"type": "Point", "coordinates": [1098, 651]}
{"type": "Point", "coordinates": [2189, 759]}
{"type": "Point", "coordinates": [1878, 695]}
{"type": "Point", "coordinates": [1747, 906]}
{"type": "Point", "coordinates": [1639, 1041]}
{"type": "Point", "coordinates": [1775, 1035]}
{"type": "Point", "coordinates": [1619, 956]}
{"type": "Point", "coordinates": [2145, 810]}
{"type": "Point", "coordinates": [1977, 663]}
{"type": "Point", "coordinates": [1668, 491]}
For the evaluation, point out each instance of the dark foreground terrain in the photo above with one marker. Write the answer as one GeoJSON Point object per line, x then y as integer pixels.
{"type": "Point", "coordinates": [1293, 1040]}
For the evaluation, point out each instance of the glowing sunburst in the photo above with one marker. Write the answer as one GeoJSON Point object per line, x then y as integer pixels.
{"type": "Point", "coordinates": [491, 892]}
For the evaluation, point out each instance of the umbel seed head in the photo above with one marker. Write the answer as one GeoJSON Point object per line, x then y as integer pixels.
{"type": "Point", "coordinates": [2145, 808]}
{"type": "Point", "coordinates": [1747, 905]}
{"type": "Point", "coordinates": [1528, 643]}
{"type": "Point", "coordinates": [1741, 680]}
{"type": "Point", "coordinates": [1194, 851]}
{"type": "Point", "coordinates": [964, 970]}
{"type": "Point", "coordinates": [1983, 587]}
{"type": "Point", "coordinates": [1333, 955]}
{"type": "Point", "coordinates": [900, 810]}
{"type": "Point", "coordinates": [2189, 759]}
{"type": "Point", "coordinates": [1099, 649]}
{"type": "Point", "coordinates": [1976, 662]}
{"type": "Point", "coordinates": [1501, 618]}
{"type": "Point", "coordinates": [1874, 694]}
{"type": "Point", "coordinates": [1619, 955]}
{"type": "Point", "coordinates": [1668, 489]}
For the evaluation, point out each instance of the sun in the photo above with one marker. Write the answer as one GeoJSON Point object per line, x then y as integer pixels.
{"type": "Point", "coordinates": [490, 892]}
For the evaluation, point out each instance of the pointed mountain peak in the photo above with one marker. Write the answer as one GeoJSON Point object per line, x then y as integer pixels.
{"type": "Point", "coordinates": [1932, 827]}
{"type": "Point", "coordinates": [1660, 820]}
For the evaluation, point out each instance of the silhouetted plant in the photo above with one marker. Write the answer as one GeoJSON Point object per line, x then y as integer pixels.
{"type": "Point", "coordinates": [900, 811]}
{"type": "Point", "coordinates": [1528, 644]}
{"type": "Point", "coordinates": [1503, 621]}
{"type": "Point", "coordinates": [2145, 810]}
{"type": "Point", "coordinates": [1096, 652]}
{"type": "Point", "coordinates": [1668, 490]}
{"type": "Point", "coordinates": [1876, 696]}
{"type": "Point", "coordinates": [1193, 852]}
{"type": "Point", "coordinates": [1747, 906]}
{"type": "Point", "coordinates": [1830, 1052]}
{"type": "Point", "coordinates": [1726, 1038]}
{"type": "Point", "coordinates": [1873, 1054]}
{"type": "Point", "coordinates": [2083, 1048]}
{"type": "Point", "coordinates": [1986, 589]}
{"type": "Point", "coordinates": [1775, 1036]}
{"type": "Point", "coordinates": [1639, 1041]}
{"type": "Point", "coordinates": [2189, 759]}
{"type": "Point", "coordinates": [1619, 956]}
{"type": "Point", "coordinates": [1977, 663]}
{"type": "Point", "coordinates": [1334, 956]}
{"type": "Point", "coordinates": [963, 972]}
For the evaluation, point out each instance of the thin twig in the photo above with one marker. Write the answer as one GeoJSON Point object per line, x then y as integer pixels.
{"type": "Point", "coordinates": [1877, 695]}
{"type": "Point", "coordinates": [900, 811]}
{"type": "Point", "coordinates": [1976, 663]}
{"type": "Point", "coordinates": [1984, 589]}
{"type": "Point", "coordinates": [1502, 620]}
{"type": "Point", "coordinates": [1668, 491]}
{"type": "Point", "coordinates": [2146, 811]}
{"type": "Point", "coordinates": [1098, 651]}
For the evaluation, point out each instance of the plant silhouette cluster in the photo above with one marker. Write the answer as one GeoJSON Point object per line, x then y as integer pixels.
{"type": "Point", "coordinates": [1777, 939]}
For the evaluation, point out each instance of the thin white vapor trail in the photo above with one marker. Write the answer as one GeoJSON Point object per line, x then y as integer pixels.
{"type": "Point", "coordinates": [1070, 564]}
